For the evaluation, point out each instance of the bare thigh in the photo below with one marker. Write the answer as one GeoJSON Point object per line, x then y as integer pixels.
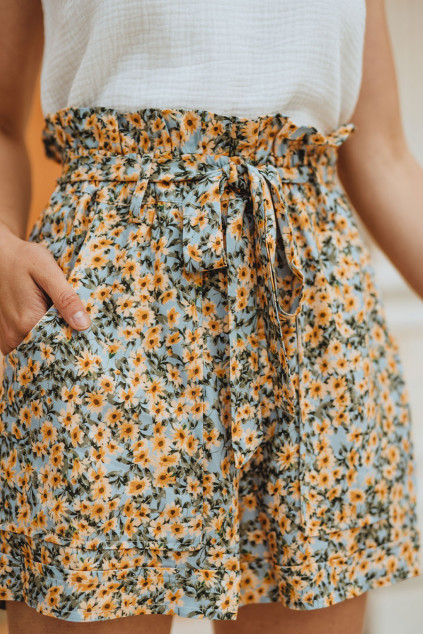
{"type": "Point", "coordinates": [273, 618]}
{"type": "Point", "coordinates": [22, 619]}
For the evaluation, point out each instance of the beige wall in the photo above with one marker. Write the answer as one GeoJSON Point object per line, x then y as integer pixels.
{"type": "Point", "coordinates": [406, 26]}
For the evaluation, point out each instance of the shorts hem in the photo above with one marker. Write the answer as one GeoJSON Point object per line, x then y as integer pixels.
{"type": "Point", "coordinates": [313, 585]}
{"type": "Point", "coordinates": [213, 594]}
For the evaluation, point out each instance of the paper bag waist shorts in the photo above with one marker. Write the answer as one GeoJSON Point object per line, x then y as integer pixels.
{"type": "Point", "coordinates": [234, 426]}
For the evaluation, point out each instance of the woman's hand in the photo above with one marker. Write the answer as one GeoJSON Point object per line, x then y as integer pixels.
{"type": "Point", "coordinates": [30, 281]}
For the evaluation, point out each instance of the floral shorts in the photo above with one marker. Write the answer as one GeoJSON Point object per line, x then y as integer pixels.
{"type": "Point", "coordinates": [234, 426]}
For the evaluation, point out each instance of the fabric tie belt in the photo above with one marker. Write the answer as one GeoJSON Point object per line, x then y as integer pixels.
{"type": "Point", "coordinates": [207, 246]}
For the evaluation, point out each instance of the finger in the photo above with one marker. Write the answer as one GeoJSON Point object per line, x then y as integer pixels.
{"type": "Point", "coordinates": [50, 277]}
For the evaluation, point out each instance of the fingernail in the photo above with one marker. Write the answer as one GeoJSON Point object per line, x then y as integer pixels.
{"type": "Point", "coordinates": [80, 319]}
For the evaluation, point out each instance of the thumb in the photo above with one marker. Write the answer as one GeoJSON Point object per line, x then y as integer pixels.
{"type": "Point", "coordinates": [48, 274]}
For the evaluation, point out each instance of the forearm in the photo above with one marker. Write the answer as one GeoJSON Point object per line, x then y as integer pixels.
{"type": "Point", "coordinates": [15, 185]}
{"type": "Point", "coordinates": [385, 186]}
{"type": "Point", "coordinates": [21, 36]}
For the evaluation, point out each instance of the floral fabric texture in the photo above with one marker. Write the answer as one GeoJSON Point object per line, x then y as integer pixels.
{"type": "Point", "coordinates": [234, 426]}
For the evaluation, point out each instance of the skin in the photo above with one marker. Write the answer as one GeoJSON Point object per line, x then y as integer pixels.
{"type": "Point", "coordinates": [22, 619]}
{"type": "Point", "coordinates": [273, 618]}
{"type": "Point", "coordinates": [380, 175]}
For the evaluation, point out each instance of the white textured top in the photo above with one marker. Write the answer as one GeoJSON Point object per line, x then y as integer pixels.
{"type": "Point", "coordinates": [301, 58]}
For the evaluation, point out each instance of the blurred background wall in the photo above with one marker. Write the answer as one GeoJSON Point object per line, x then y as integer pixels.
{"type": "Point", "coordinates": [398, 608]}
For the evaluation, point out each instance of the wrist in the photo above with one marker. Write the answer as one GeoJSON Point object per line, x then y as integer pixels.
{"type": "Point", "coordinates": [9, 234]}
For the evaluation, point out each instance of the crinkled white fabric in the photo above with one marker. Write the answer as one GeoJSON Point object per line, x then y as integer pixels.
{"type": "Point", "coordinates": [302, 58]}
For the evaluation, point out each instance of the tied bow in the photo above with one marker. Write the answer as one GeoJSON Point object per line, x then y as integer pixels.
{"type": "Point", "coordinates": [208, 246]}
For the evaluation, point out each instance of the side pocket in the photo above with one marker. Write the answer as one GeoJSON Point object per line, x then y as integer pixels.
{"type": "Point", "coordinates": [65, 226]}
{"type": "Point", "coordinates": [68, 249]}
{"type": "Point", "coordinates": [118, 422]}
{"type": "Point", "coordinates": [343, 481]}
{"type": "Point", "coordinates": [32, 333]}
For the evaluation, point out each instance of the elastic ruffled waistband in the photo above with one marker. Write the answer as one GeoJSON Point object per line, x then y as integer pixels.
{"type": "Point", "coordinates": [74, 131]}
